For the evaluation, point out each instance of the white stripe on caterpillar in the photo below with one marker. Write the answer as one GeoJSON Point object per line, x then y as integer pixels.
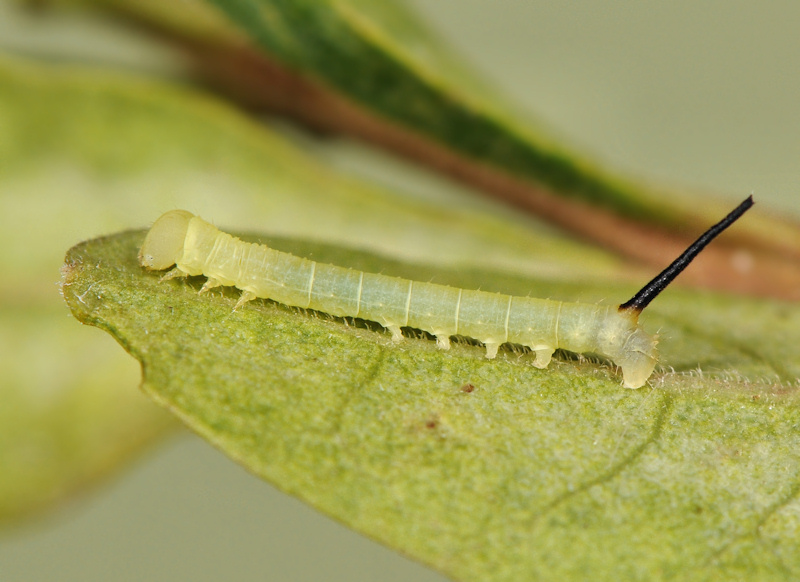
{"type": "Point", "coordinates": [196, 247]}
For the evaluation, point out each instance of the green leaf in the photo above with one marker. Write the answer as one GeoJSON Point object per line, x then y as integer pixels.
{"type": "Point", "coordinates": [486, 470]}
{"type": "Point", "coordinates": [70, 413]}
{"type": "Point", "coordinates": [371, 69]}
{"type": "Point", "coordinates": [86, 152]}
{"type": "Point", "coordinates": [132, 144]}
{"type": "Point", "coordinates": [563, 452]}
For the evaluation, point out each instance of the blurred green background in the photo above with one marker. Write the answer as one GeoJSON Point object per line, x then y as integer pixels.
{"type": "Point", "coordinates": [699, 95]}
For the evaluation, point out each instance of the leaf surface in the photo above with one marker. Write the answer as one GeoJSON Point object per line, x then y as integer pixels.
{"type": "Point", "coordinates": [486, 470]}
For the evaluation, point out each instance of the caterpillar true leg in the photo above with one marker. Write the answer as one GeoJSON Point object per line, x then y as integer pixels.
{"type": "Point", "coordinates": [175, 273]}
{"type": "Point", "coordinates": [210, 284]}
{"type": "Point", "coordinates": [245, 297]}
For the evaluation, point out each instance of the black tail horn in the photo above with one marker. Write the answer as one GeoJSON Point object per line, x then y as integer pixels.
{"type": "Point", "coordinates": [650, 291]}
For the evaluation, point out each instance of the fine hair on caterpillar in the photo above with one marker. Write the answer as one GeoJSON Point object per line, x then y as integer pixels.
{"type": "Point", "coordinates": [196, 247]}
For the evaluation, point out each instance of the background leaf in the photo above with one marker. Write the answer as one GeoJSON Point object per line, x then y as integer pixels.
{"type": "Point", "coordinates": [413, 96]}
{"type": "Point", "coordinates": [120, 148]}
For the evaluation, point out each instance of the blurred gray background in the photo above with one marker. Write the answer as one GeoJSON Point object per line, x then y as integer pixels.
{"type": "Point", "coordinates": [705, 95]}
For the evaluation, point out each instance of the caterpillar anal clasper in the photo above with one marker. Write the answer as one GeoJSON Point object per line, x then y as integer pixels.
{"type": "Point", "coordinates": [196, 247]}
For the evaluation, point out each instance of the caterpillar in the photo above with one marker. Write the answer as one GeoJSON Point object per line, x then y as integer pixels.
{"type": "Point", "coordinates": [196, 247]}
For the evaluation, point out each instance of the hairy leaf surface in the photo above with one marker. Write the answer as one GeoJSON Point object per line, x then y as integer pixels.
{"type": "Point", "coordinates": [486, 470]}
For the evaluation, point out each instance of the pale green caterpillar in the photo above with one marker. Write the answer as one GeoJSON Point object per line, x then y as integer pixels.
{"type": "Point", "coordinates": [198, 248]}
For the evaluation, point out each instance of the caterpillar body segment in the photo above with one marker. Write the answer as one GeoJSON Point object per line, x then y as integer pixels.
{"type": "Point", "coordinates": [196, 247]}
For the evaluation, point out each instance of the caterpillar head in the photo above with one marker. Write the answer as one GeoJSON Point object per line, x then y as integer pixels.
{"type": "Point", "coordinates": [163, 245]}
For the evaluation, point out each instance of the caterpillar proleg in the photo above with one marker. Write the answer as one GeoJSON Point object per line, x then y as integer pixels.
{"type": "Point", "coordinates": [196, 247]}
